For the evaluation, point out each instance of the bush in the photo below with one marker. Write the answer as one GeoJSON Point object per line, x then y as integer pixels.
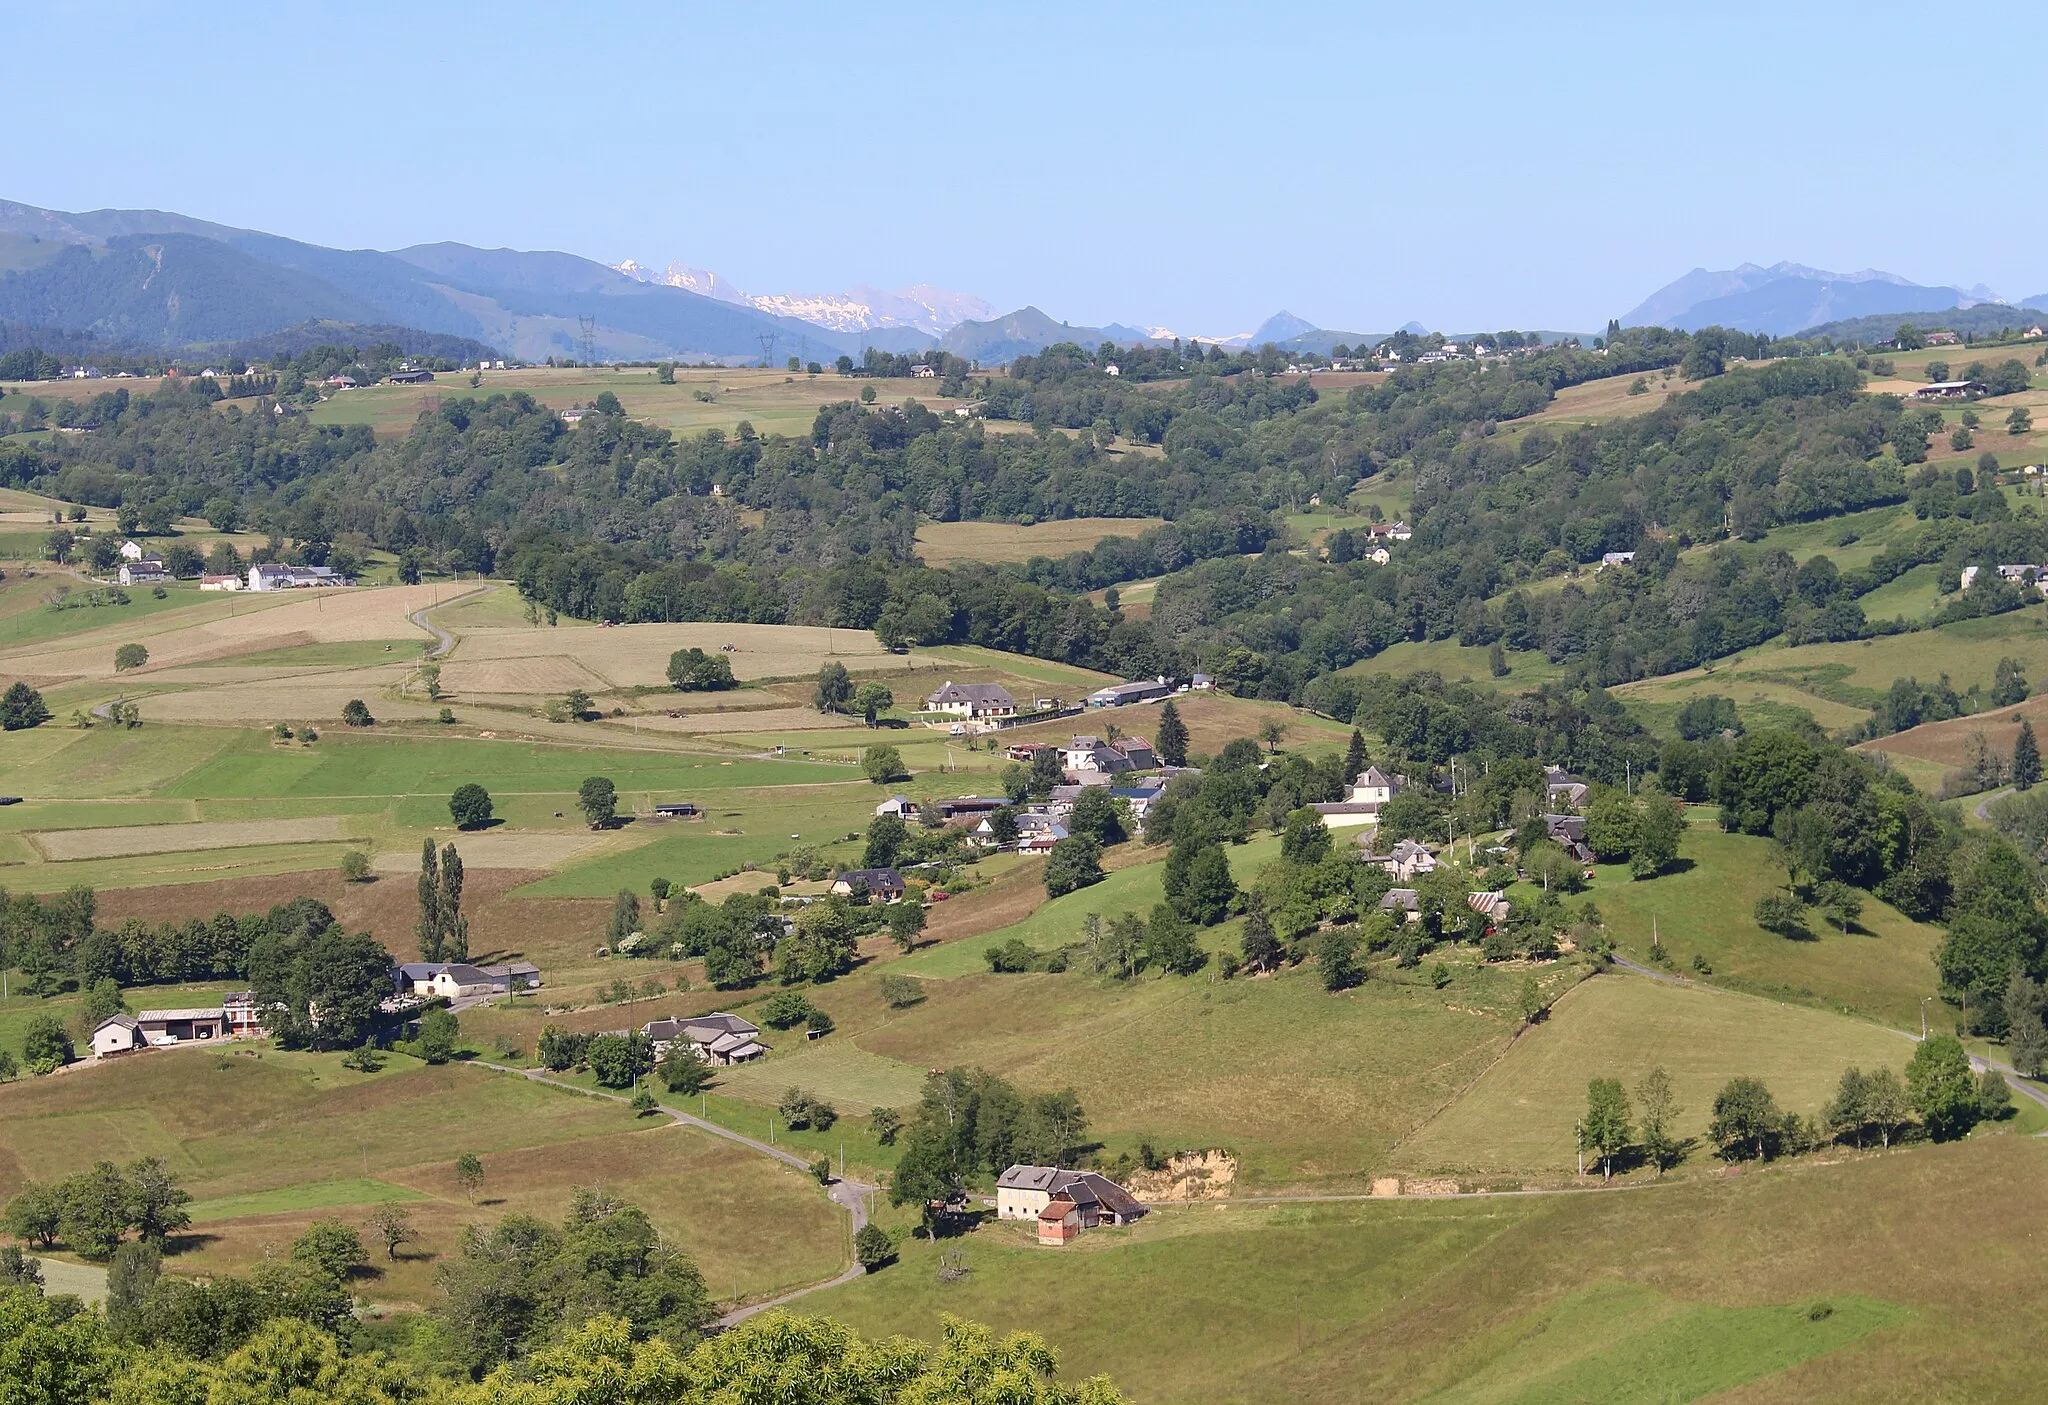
{"type": "Point", "coordinates": [786, 1010]}
{"type": "Point", "coordinates": [901, 992]}
{"type": "Point", "coordinates": [356, 713]}
{"type": "Point", "coordinates": [355, 866]}
{"type": "Point", "coordinates": [1012, 956]}
{"type": "Point", "coordinates": [802, 1111]}
{"type": "Point", "coordinates": [46, 1041]}
{"type": "Point", "coordinates": [130, 656]}
{"type": "Point", "coordinates": [873, 1248]}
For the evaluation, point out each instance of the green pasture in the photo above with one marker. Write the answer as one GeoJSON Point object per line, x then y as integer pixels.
{"type": "Point", "coordinates": [26, 618]}
{"type": "Point", "coordinates": [317, 1195]}
{"type": "Point", "coordinates": [353, 653]}
{"type": "Point", "coordinates": [692, 853]}
{"type": "Point", "coordinates": [1459, 661]}
{"type": "Point", "coordinates": [1519, 1118]}
{"type": "Point", "coordinates": [1911, 596]}
{"type": "Point", "coordinates": [1878, 970]}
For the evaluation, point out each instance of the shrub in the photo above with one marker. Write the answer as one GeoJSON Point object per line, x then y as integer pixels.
{"type": "Point", "coordinates": [356, 713]}
{"type": "Point", "coordinates": [801, 1111]}
{"type": "Point", "coordinates": [901, 992]}
{"type": "Point", "coordinates": [786, 1010]}
{"type": "Point", "coordinates": [872, 1247]}
{"type": "Point", "coordinates": [130, 656]}
{"type": "Point", "coordinates": [355, 866]}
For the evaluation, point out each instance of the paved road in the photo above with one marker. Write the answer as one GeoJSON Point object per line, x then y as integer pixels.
{"type": "Point", "coordinates": [443, 640]}
{"type": "Point", "coordinates": [1984, 805]}
{"type": "Point", "coordinates": [851, 1196]}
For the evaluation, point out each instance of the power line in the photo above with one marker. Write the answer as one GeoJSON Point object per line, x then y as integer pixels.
{"type": "Point", "coordinates": [589, 338]}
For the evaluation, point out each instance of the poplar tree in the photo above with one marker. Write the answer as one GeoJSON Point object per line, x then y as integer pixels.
{"type": "Point", "coordinates": [1354, 756]}
{"type": "Point", "coordinates": [428, 928]}
{"type": "Point", "coordinates": [454, 939]}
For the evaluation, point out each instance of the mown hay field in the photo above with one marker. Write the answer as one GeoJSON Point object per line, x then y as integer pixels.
{"type": "Point", "coordinates": [116, 842]}
{"type": "Point", "coordinates": [773, 402]}
{"type": "Point", "coordinates": [942, 543]}
{"type": "Point", "coordinates": [637, 655]}
{"type": "Point", "coordinates": [492, 849]}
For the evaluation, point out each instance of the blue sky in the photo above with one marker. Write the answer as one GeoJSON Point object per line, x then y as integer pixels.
{"type": "Point", "coordinates": [1193, 166]}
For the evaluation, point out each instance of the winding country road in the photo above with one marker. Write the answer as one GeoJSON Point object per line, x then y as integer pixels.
{"type": "Point", "coordinates": [851, 1196]}
{"type": "Point", "coordinates": [443, 640]}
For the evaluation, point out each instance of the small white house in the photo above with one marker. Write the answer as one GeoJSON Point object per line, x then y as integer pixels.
{"type": "Point", "coordinates": [132, 551]}
{"type": "Point", "coordinates": [118, 1035]}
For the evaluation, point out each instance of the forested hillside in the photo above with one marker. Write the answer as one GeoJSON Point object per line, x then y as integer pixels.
{"type": "Point", "coordinates": [618, 519]}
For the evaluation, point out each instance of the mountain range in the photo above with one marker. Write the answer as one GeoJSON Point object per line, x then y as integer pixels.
{"type": "Point", "coordinates": [922, 308]}
{"type": "Point", "coordinates": [154, 278]}
{"type": "Point", "coordinates": [1788, 298]}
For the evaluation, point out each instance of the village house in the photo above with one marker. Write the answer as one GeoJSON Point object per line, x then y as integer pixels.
{"type": "Point", "coordinates": [968, 807]}
{"type": "Point", "coordinates": [2021, 575]}
{"type": "Point", "coordinates": [1492, 906]}
{"type": "Point", "coordinates": [211, 582]}
{"type": "Point", "coordinates": [244, 1015]}
{"type": "Point", "coordinates": [1569, 832]}
{"type": "Point", "coordinates": [973, 701]}
{"type": "Point", "coordinates": [1404, 901]}
{"type": "Point", "coordinates": [150, 570]}
{"type": "Point", "coordinates": [1202, 683]}
{"type": "Point", "coordinates": [1124, 694]}
{"type": "Point", "coordinates": [1617, 558]}
{"type": "Point", "coordinates": [719, 1039]}
{"type": "Point", "coordinates": [458, 980]}
{"type": "Point", "coordinates": [1406, 861]}
{"type": "Point", "coordinates": [900, 806]}
{"type": "Point", "coordinates": [1063, 1203]}
{"type": "Point", "coordinates": [133, 551]}
{"type": "Point", "coordinates": [1392, 531]}
{"type": "Point", "coordinates": [880, 884]}
{"type": "Point", "coordinates": [1090, 753]}
{"type": "Point", "coordinates": [1565, 790]}
{"type": "Point", "coordinates": [1943, 339]}
{"type": "Point", "coordinates": [1348, 814]}
{"type": "Point", "coordinates": [924, 372]}
{"type": "Point", "coordinates": [1372, 786]}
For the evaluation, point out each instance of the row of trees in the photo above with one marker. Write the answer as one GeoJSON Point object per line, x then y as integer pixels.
{"type": "Point", "coordinates": [1939, 1097]}
{"type": "Point", "coordinates": [90, 1213]}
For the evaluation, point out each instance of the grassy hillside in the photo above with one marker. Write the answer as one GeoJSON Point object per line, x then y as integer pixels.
{"type": "Point", "coordinates": [268, 1142]}
{"type": "Point", "coordinates": [1519, 1118]}
{"type": "Point", "coordinates": [1788, 1285]}
{"type": "Point", "coordinates": [1879, 970]}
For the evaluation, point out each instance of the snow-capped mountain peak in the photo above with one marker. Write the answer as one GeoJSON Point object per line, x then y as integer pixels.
{"type": "Point", "coordinates": [934, 311]}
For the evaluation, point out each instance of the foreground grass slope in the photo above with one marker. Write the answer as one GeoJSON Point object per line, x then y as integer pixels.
{"type": "Point", "coordinates": [1784, 1285]}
